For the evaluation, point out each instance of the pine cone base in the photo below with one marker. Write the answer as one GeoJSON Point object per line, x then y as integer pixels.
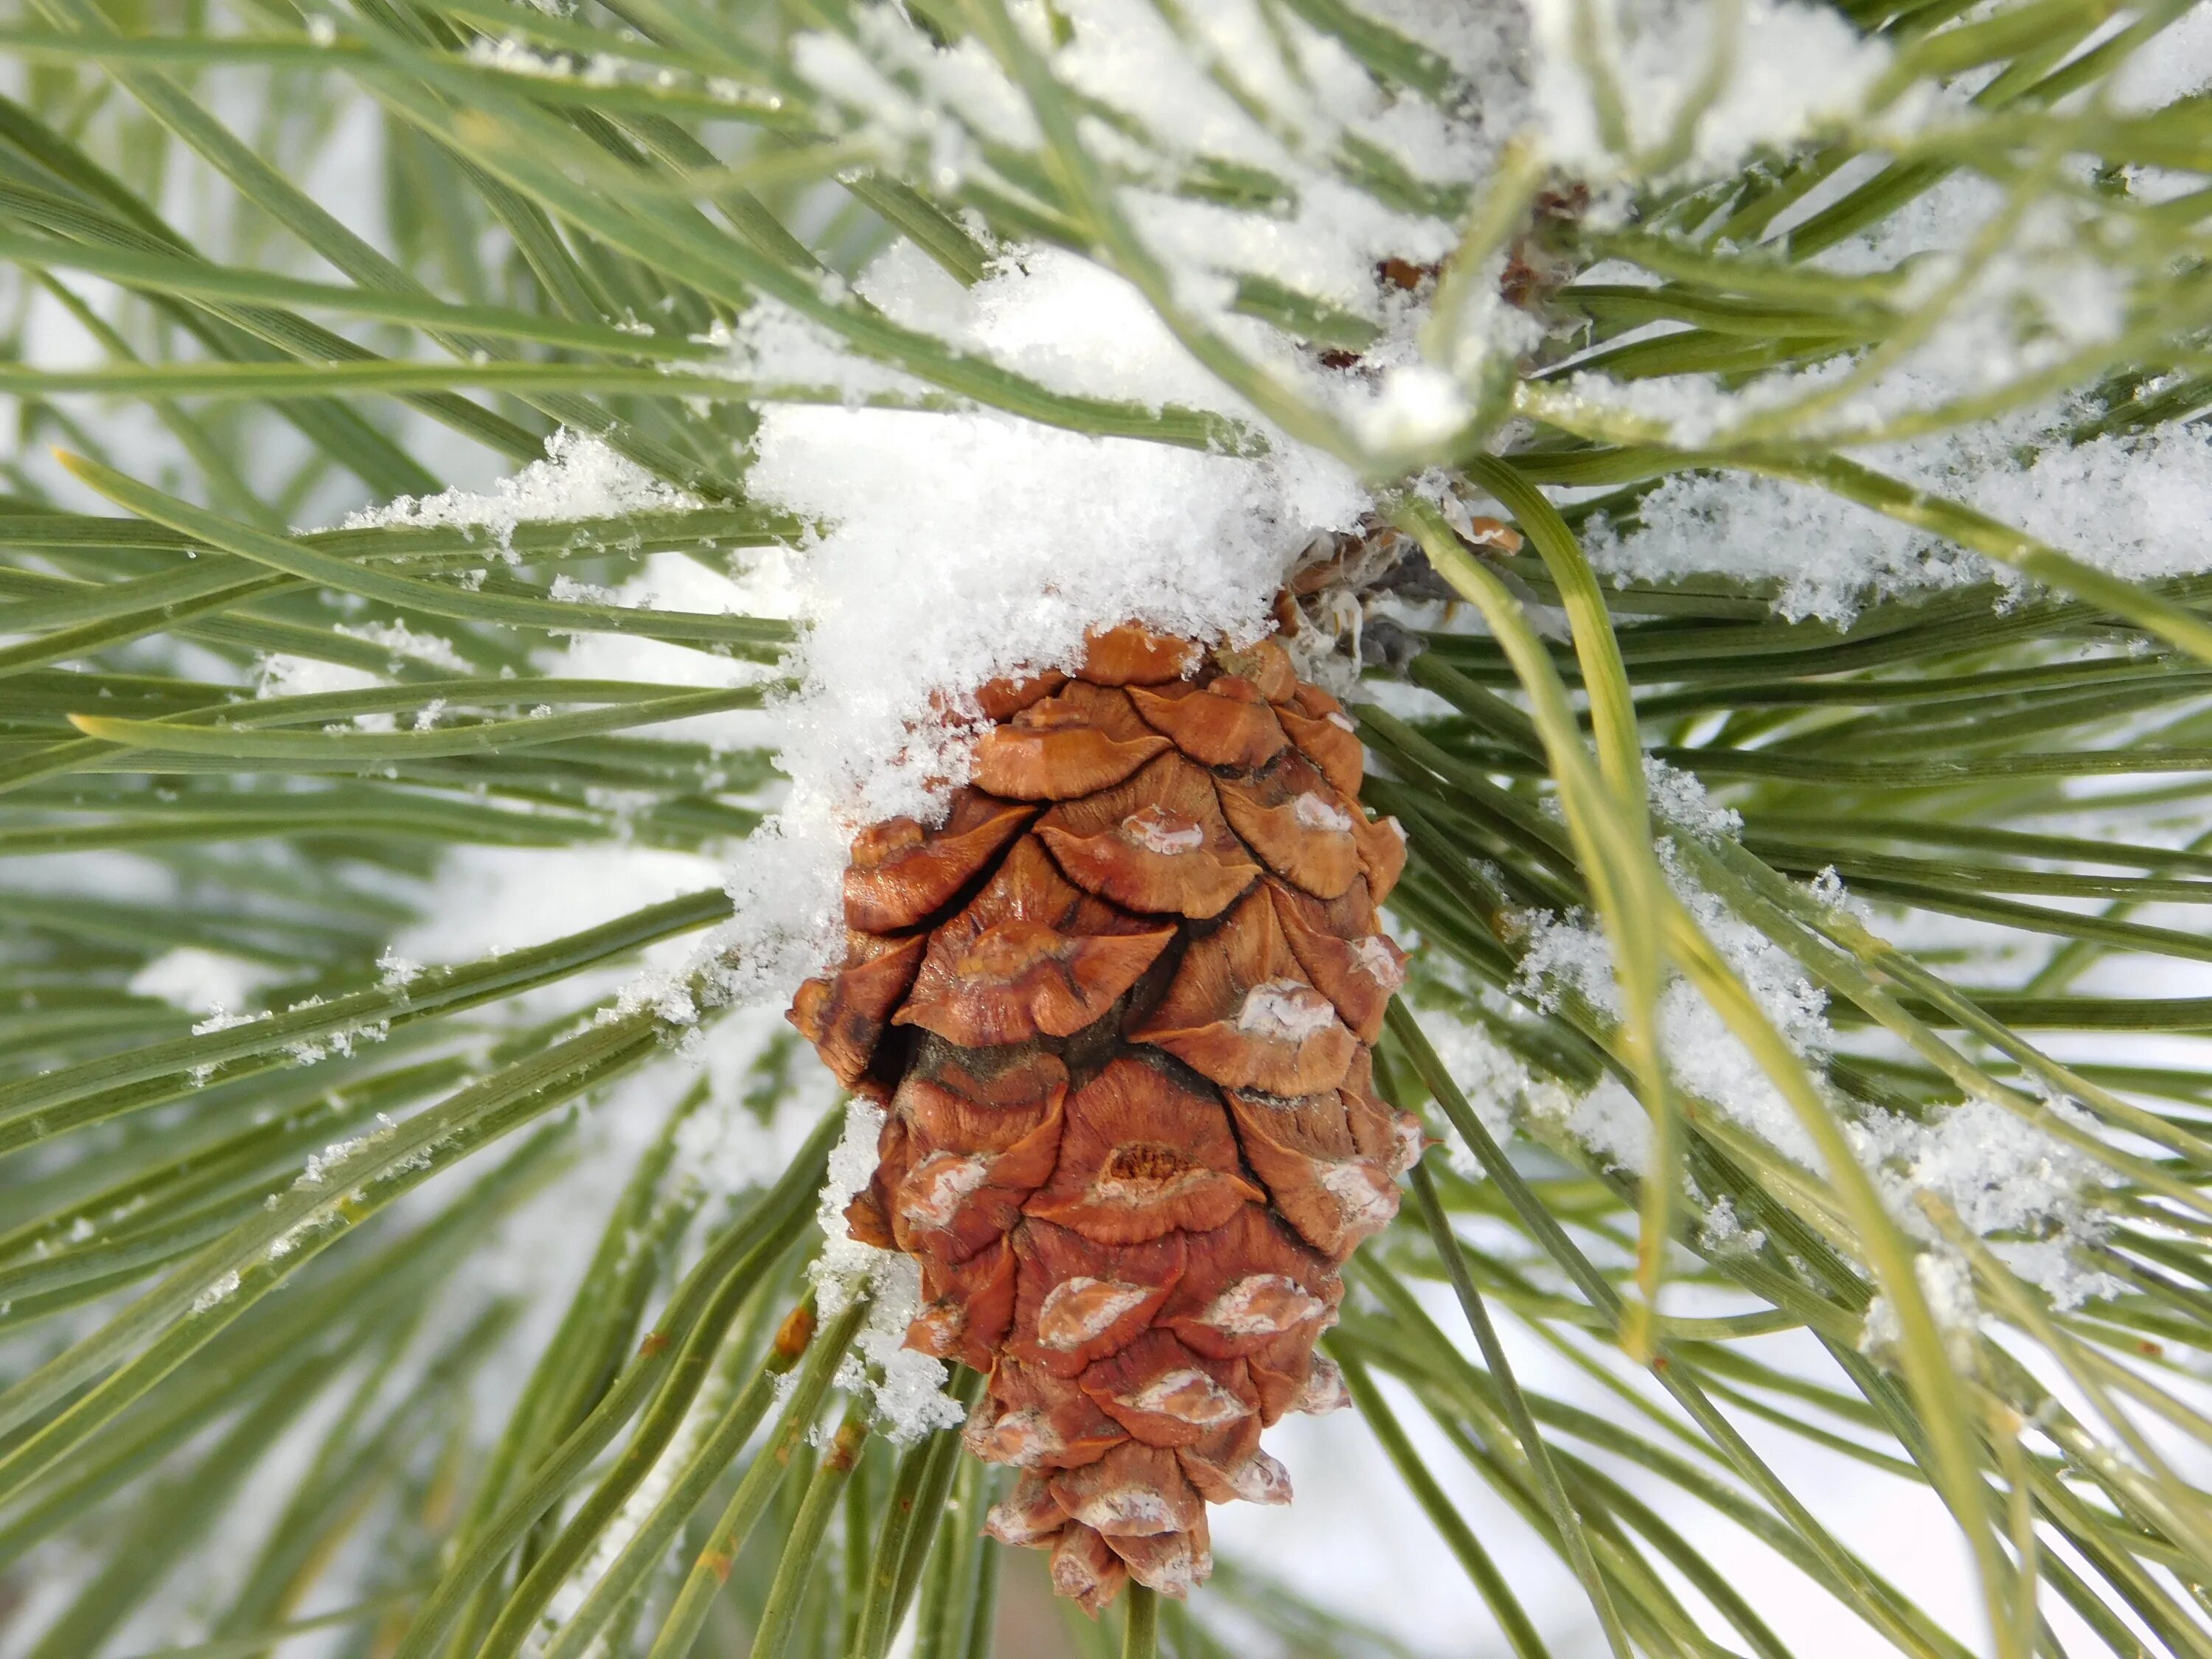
{"type": "Point", "coordinates": [1119, 1005]}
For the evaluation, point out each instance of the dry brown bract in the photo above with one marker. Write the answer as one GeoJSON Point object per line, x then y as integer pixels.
{"type": "Point", "coordinates": [1119, 1003]}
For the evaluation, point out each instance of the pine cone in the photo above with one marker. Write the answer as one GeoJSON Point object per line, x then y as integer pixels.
{"type": "Point", "coordinates": [1119, 1003]}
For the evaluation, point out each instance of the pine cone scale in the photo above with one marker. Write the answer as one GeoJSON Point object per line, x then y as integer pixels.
{"type": "Point", "coordinates": [1119, 1004]}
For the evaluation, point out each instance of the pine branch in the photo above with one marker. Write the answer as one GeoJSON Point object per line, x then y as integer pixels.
{"type": "Point", "coordinates": [1783, 638]}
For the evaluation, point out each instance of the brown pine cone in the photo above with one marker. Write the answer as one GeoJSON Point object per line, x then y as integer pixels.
{"type": "Point", "coordinates": [1119, 1003]}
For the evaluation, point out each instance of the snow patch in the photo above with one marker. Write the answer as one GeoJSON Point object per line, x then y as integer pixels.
{"type": "Point", "coordinates": [1782, 71]}
{"type": "Point", "coordinates": [906, 1388]}
{"type": "Point", "coordinates": [198, 981]}
{"type": "Point", "coordinates": [580, 477]}
{"type": "Point", "coordinates": [2031, 1194]}
{"type": "Point", "coordinates": [1005, 540]}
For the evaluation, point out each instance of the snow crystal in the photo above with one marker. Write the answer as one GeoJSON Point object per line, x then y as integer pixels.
{"type": "Point", "coordinates": [837, 69]}
{"type": "Point", "coordinates": [2003, 292]}
{"type": "Point", "coordinates": [1011, 539]}
{"type": "Point", "coordinates": [1787, 71]}
{"type": "Point", "coordinates": [1494, 1080]}
{"type": "Point", "coordinates": [774, 344]}
{"type": "Point", "coordinates": [1827, 890]}
{"type": "Point", "coordinates": [511, 55]}
{"type": "Point", "coordinates": [1723, 1231]}
{"type": "Point", "coordinates": [222, 1019]}
{"type": "Point", "coordinates": [1126, 55]}
{"type": "Point", "coordinates": [1608, 1119]}
{"type": "Point", "coordinates": [1486, 44]}
{"type": "Point", "coordinates": [2031, 1195]}
{"type": "Point", "coordinates": [2175, 63]}
{"type": "Point", "coordinates": [669, 993]}
{"type": "Point", "coordinates": [216, 1294]}
{"type": "Point", "coordinates": [1679, 797]}
{"type": "Point", "coordinates": [580, 477]}
{"type": "Point", "coordinates": [316, 1172]}
{"type": "Point", "coordinates": [846, 1264]}
{"type": "Point", "coordinates": [1413, 408]}
{"type": "Point", "coordinates": [1326, 237]}
{"type": "Point", "coordinates": [906, 1388]}
{"type": "Point", "coordinates": [1948, 1286]}
{"type": "Point", "coordinates": [1936, 221]}
{"type": "Point", "coordinates": [284, 675]}
{"type": "Point", "coordinates": [1228, 85]}
{"type": "Point", "coordinates": [1053, 316]}
{"type": "Point", "coordinates": [569, 590]}
{"type": "Point", "coordinates": [405, 643]}
{"type": "Point", "coordinates": [1572, 952]}
{"type": "Point", "coordinates": [957, 87]}
{"type": "Point", "coordinates": [2134, 505]}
